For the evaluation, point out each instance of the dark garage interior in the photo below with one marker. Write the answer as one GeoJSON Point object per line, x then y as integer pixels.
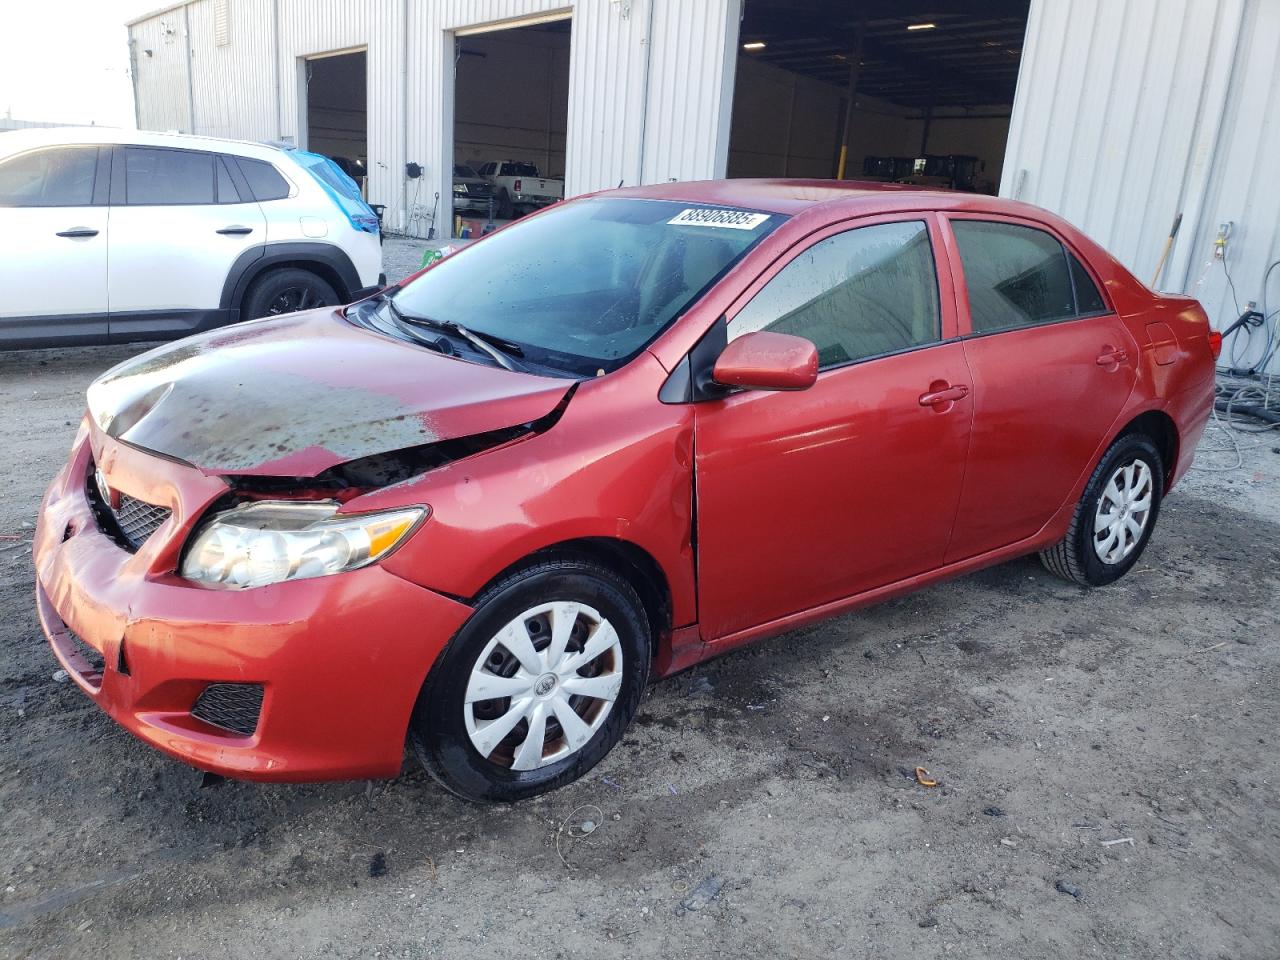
{"type": "Point", "coordinates": [512, 96]}
{"type": "Point", "coordinates": [931, 84]}
{"type": "Point", "coordinates": [337, 110]}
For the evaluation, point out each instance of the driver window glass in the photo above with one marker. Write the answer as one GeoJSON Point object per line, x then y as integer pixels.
{"type": "Point", "coordinates": [56, 177]}
{"type": "Point", "coordinates": [858, 294]}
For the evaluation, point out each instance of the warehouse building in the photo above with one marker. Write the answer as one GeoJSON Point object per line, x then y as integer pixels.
{"type": "Point", "coordinates": [1120, 115]}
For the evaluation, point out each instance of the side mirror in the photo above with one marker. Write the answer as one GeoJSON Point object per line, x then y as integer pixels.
{"type": "Point", "coordinates": [767, 361]}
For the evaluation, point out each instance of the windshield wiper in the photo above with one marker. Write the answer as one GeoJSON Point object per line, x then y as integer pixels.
{"type": "Point", "coordinates": [501, 351]}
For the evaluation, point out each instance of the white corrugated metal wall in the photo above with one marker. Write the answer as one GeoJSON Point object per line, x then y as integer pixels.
{"type": "Point", "coordinates": [159, 55]}
{"type": "Point", "coordinates": [650, 82]}
{"type": "Point", "coordinates": [1131, 111]}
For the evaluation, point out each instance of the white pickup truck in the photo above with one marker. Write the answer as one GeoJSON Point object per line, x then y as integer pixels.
{"type": "Point", "coordinates": [520, 187]}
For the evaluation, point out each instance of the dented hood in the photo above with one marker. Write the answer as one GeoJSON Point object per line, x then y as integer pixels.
{"type": "Point", "coordinates": [296, 395]}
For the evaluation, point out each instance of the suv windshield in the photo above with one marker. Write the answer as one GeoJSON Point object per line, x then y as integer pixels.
{"type": "Point", "coordinates": [462, 170]}
{"type": "Point", "coordinates": [587, 285]}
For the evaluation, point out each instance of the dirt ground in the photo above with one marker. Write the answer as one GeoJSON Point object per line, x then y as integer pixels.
{"type": "Point", "coordinates": [764, 805]}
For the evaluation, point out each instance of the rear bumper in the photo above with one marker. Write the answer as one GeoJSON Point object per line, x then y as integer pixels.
{"type": "Point", "coordinates": [340, 659]}
{"type": "Point", "coordinates": [1191, 411]}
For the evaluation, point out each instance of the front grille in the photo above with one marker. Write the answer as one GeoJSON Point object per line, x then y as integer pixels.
{"type": "Point", "coordinates": [138, 519]}
{"type": "Point", "coordinates": [132, 522]}
{"type": "Point", "coordinates": [231, 706]}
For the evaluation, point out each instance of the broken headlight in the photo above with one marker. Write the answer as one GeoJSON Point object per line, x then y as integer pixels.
{"type": "Point", "coordinates": [271, 541]}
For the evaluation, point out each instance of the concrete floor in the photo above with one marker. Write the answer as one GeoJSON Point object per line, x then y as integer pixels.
{"type": "Point", "coordinates": [763, 805]}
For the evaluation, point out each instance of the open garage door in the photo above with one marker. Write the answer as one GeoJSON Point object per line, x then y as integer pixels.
{"type": "Point", "coordinates": [916, 91]}
{"type": "Point", "coordinates": [511, 110]}
{"type": "Point", "coordinates": [337, 112]}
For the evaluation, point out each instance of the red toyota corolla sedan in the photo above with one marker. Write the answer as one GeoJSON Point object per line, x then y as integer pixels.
{"type": "Point", "coordinates": [480, 510]}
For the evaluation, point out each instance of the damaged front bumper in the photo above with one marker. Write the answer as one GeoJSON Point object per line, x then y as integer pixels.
{"type": "Point", "coordinates": [329, 668]}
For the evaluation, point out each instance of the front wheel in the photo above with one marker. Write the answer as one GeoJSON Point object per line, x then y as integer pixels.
{"type": "Point", "coordinates": [537, 686]}
{"type": "Point", "coordinates": [1114, 519]}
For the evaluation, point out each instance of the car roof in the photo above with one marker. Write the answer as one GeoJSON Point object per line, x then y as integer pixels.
{"type": "Point", "coordinates": [793, 196]}
{"type": "Point", "coordinates": [13, 141]}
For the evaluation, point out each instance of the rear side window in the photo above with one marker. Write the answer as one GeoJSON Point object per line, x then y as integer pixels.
{"type": "Point", "coordinates": [858, 294]}
{"type": "Point", "coordinates": [167, 177]}
{"type": "Point", "coordinates": [1017, 276]}
{"type": "Point", "coordinates": [264, 181]}
{"type": "Point", "coordinates": [55, 177]}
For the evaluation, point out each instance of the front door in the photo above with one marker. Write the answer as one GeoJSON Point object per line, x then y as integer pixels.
{"type": "Point", "coordinates": [53, 244]}
{"type": "Point", "coordinates": [810, 497]}
{"type": "Point", "coordinates": [1052, 367]}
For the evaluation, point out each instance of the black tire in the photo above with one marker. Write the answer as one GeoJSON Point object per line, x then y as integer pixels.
{"type": "Point", "coordinates": [438, 733]}
{"type": "Point", "coordinates": [1075, 558]}
{"type": "Point", "coordinates": [505, 210]}
{"type": "Point", "coordinates": [286, 290]}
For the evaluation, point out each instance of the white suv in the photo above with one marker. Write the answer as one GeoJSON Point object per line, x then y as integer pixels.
{"type": "Point", "coordinates": [115, 235]}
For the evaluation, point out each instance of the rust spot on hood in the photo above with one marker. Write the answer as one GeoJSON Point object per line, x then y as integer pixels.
{"type": "Point", "coordinates": [298, 395]}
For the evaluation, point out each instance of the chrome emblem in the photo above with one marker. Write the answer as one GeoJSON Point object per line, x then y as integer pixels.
{"type": "Point", "coordinates": [110, 497]}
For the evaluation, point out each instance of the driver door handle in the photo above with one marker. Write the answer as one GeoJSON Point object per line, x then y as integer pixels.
{"type": "Point", "coordinates": [1109, 357]}
{"type": "Point", "coordinates": [944, 395]}
{"type": "Point", "coordinates": [236, 231]}
{"type": "Point", "coordinates": [77, 232]}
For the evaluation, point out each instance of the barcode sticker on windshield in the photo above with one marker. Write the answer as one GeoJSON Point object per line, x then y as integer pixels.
{"type": "Point", "coordinates": [713, 217]}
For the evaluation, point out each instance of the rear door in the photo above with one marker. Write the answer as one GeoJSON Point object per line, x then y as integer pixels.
{"type": "Point", "coordinates": [53, 244]}
{"type": "Point", "coordinates": [179, 222]}
{"type": "Point", "coordinates": [1052, 369]}
{"type": "Point", "coordinates": [809, 497]}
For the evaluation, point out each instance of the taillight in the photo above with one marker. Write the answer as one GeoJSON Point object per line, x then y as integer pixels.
{"type": "Point", "coordinates": [517, 186]}
{"type": "Point", "coordinates": [1215, 343]}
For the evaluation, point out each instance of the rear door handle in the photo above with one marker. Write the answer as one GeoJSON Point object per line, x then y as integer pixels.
{"type": "Point", "coordinates": [236, 231]}
{"type": "Point", "coordinates": [1109, 357]}
{"type": "Point", "coordinates": [944, 395]}
{"type": "Point", "coordinates": [77, 232]}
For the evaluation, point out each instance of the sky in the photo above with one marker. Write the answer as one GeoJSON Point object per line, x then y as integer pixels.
{"type": "Point", "coordinates": [67, 61]}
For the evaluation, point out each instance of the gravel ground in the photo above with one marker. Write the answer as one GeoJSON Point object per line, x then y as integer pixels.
{"type": "Point", "coordinates": [763, 805]}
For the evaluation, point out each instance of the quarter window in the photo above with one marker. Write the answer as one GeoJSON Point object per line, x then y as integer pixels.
{"type": "Point", "coordinates": [1088, 298]}
{"type": "Point", "coordinates": [1017, 276]}
{"type": "Point", "coordinates": [57, 177]}
{"type": "Point", "coordinates": [167, 177]}
{"type": "Point", "coordinates": [264, 180]}
{"type": "Point", "coordinates": [858, 294]}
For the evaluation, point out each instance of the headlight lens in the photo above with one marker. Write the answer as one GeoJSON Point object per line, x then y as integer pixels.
{"type": "Point", "coordinates": [460, 188]}
{"type": "Point", "coordinates": [273, 541]}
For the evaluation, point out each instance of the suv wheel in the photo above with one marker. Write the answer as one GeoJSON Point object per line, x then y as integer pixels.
{"type": "Point", "coordinates": [286, 291]}
{"type": "Point", "coordinates": [1114, 519]}
{"type": "Point", "coordinates": [537, 686]}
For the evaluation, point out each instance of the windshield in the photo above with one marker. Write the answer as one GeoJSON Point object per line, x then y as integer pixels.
{"type": "Point", "coordinates": [586, 286]}
{"type": "Point", "coordinates": [462, 170]}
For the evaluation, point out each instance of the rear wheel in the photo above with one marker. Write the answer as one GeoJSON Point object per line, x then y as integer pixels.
{"type": "Point", "coordinates": [288, 290]}
{"type": "Point", "coordinates": [537, 686]}
{"type": "Point", "coordinates": [1114, 519]}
